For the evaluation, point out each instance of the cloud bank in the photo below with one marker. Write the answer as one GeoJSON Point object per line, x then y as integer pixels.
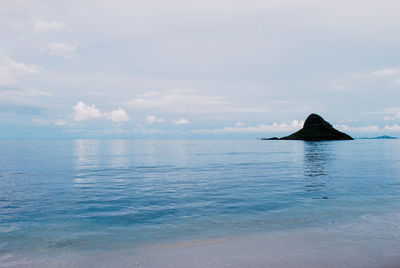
{"type": "Point", "coordinates": [83, 112]}
{"type": "Point", "coordinates": [260, 128]}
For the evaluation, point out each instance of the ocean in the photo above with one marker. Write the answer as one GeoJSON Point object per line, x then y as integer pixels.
{"type": "Point", "coordinates": [76, 203]}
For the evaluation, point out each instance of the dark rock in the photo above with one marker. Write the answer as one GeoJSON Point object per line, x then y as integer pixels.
{"type": "Point", "coordinates": [270, 139]}
{"type": "Point", "coordinates": [315, 128]}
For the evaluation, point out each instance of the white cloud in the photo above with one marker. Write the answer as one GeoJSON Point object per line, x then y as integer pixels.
{"type": "Point", "coordinates": [377, 73]}
{"type": "Point", "coordinates": [362, 80]}
{"type": "Point", "coordinates": [182, 121]}
{"type": "Point", "coordinates": [44, 26]}
{"type": "Point", "coordinates": [60, 49]}
{"type": "Point", "coordinates": [31, 92]}
{"type": "Point", "coordinates": [26, 92]}
{"type": "Point", "coordinates": [392, 117]}
{"type": "Point", "coordinates": [118, 115]}
{"type": "Point", "coordinates": [50, 122]}
{"type": "Point", "coordinates": [275, 127]}
{"type": "Point", "coordinates": [60, 122]}
{"type": "Point", "coordinates": [11, 69]}
{"type": "Point", "coordinates": [345, 128]}
{"type": "Point", "coordinates": [150, 119]}
{"type": "Point", "coordinates": [392, 128]}
{"type": "Point", "coordinates": [338, 87]}
{"type": "Point", "coordinates": [394, 113]}
{"type": "Point", "coordinates": [239, 124]}
{"type": "Point", "coordinates": [385, 72]}
{"type": "Point", "coordinates": [85, 112]}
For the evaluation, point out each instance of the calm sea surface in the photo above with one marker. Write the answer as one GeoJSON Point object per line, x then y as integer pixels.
{"type": "Point", "coordinates": [85, 195]}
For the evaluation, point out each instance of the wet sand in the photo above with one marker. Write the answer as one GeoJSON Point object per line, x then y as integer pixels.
{"type": "Point", "coordinates": [372, 242]}
{"type": "Point", "coordinates": [305, 248]}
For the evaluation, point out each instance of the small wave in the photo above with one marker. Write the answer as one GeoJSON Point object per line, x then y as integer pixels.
{"type": "Point", "coordinates": [84, 180]}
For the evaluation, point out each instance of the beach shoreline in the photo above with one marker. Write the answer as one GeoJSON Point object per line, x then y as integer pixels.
{"type": "Point", "coordinates": [372, 241]}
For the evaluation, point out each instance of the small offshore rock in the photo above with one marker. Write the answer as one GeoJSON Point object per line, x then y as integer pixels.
{"type": "Point", "coordinates": [270, 139]}
{"type": "Point", "coordinates": [315, 128]}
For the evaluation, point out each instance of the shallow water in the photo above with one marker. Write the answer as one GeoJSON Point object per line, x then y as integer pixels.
{"type": "Point", "coordinates": [61, 197]}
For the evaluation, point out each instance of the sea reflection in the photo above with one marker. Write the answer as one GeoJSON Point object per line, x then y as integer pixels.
{"type": "Point", "coordinates": [317, 157]}
{"type": "Point", "coordinates": [86, 159]}
{"type": "Point", "coordinates": [86, 154]}
{"type": "Point", "coordinates": [149, 153]}
{"type": "Point", "coordinates": [119, 153]}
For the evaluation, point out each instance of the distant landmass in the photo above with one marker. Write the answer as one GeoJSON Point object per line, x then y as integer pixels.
{"type": "Point", "coordinates": [315, 128]}
{"type": "Point", "coordinates": [384, 137]}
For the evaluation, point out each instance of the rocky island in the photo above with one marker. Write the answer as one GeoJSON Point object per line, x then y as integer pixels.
{"type": "Point", "coordinates": [315, 128]}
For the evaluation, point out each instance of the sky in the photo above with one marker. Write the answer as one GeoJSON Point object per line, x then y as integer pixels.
{"type": "Point", "coordinates": [197, 69]}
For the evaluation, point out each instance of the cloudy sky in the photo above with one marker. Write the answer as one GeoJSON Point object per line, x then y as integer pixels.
{"type": "Point", "coordinates": [138, 69]}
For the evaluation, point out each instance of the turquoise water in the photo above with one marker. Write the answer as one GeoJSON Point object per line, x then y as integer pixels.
{"type": "Point", "coordinates": [60, 196]}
